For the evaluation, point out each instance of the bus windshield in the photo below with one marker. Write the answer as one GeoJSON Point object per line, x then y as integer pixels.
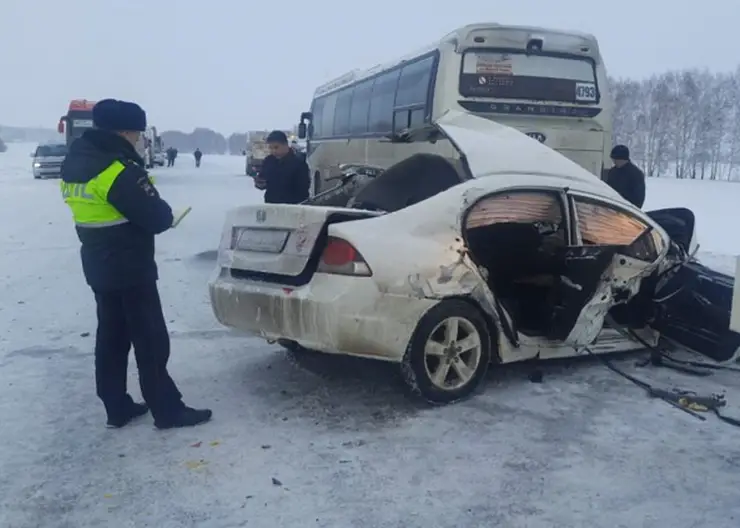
{"type": "Point", "coordinates": [506, 75]}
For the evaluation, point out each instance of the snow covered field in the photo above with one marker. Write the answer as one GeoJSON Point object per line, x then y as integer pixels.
{"type": "Point", "coordinates": [334, 445]}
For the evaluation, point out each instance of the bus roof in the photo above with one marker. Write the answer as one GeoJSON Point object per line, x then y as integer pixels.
{"type": "Point", "coordinates": [456, 36]}
{"type": "Point", "coordinates": [81, 104]}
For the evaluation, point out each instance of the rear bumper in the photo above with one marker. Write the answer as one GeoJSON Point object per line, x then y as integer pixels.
{"type": "Point", "coordinates": [334, 314]}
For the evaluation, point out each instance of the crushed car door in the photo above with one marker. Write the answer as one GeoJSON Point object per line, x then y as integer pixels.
{"type": "Point", "coordinates": [614, 249]}
{"type": "Point", "coordinates": [694, 309]}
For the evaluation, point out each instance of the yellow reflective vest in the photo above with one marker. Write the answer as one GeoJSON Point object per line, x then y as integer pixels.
{"type": "Point", "coordinates": [89, 201]}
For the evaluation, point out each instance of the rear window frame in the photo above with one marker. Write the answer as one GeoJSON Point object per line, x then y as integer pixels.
{"type": "Point", "coordinates": [518, 51]}
{"type": "Point", "coordinates": [651, 232]}
{"type": "Point", "coordinates": [561, 196]}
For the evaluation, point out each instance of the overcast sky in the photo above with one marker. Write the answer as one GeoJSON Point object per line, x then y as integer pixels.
{"type": "Point", "coordinates": [234, 65]}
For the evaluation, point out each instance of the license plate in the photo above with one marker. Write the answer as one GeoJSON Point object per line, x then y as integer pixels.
{"type": "Point", "coordinates": [261, 240]}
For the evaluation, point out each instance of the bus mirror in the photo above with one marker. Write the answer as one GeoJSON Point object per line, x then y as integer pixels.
{"type": "Point", "coordinates": [302, 131]}
{"type": "Point", "coordinates": [60, 125]}
{"type": "Point", "coordinates": [310, 130]}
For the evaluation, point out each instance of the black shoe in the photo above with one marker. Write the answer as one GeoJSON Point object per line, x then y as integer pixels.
{"type": "Point", "coordinates": [134, 410]}
{"type": "Point", "coordinates": [186, 417]}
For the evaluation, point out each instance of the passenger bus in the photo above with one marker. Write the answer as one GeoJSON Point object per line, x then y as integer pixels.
{"type": "Point", "coordinates": [550, 84]}
{"type": "Point", "coordinates": [77, 119]}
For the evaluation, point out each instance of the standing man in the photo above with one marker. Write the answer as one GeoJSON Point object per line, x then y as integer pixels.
{"type": "Point", "coordinates": [625, 177]}
{"type": "Point", "coordinates": [170, 156]}
{"type": "Point", "coordinates": [117, 212]}
{"type": "Point", "coordinates": [197, 154]}
{"type": "Point", "coordinates": [284, 176]}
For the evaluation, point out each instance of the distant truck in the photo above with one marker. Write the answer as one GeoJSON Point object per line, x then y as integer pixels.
{"type": "Point", "coordinates": [77, 119]}
{"type": "Point", "coordinates": [153, 149]}
{"type": "Point", "coordinates": [256, 150]}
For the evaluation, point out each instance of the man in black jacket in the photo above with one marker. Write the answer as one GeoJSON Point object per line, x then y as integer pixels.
{"type": "Point", "coordinates": [284, 175]}
{"type": "Point", "coordinates": [625, 177]}
{"type": "Point", "coordinates": [117, 212]}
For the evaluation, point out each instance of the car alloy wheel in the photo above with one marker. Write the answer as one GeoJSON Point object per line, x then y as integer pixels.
{"type": "Point", "coordinates": [449, 353]}
{"type": "Point", "coordinates": [452, 353]}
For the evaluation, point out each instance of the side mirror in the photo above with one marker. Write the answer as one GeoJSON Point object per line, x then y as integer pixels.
{"type": "Point", "coordinates": [302, 130]}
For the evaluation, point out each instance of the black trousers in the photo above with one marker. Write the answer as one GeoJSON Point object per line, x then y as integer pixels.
{"type": "Point", "coordinates": [128, 317]}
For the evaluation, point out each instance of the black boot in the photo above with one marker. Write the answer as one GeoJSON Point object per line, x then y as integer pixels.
{"type": "Point", "coordinates": [185, 417]}
{"type": "Point", "coordinates": [132, 411]}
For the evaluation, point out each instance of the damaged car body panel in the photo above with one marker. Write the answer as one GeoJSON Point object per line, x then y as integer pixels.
{"type": "Point", "coordinates": [510, 252]}
{"type": "Point", "coordinates": [554, 285]}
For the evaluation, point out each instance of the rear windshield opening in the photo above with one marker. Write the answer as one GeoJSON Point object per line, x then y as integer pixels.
{"type": "Point", "coordinates": [507, 75]}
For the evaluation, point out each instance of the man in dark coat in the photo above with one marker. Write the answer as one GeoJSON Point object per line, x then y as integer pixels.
{"type": "Point", "coordinates": [197, 155]}
{"type": "Point", "coordinates": [117, 212]}
{"type": "Point", "coordinates": [284, 176]}
{"type": "Point", "coordinates": [625, 177]}
{"type": "Point", "coordinates": [170, 157]}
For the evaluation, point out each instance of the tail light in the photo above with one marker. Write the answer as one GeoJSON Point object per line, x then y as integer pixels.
{"type": "Point", "coordinates": [341, 258]}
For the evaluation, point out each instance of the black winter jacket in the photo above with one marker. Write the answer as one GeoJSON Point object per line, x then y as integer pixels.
{"type": "Point", "coordinates": [287, 178]}
{"type": "Point", "coordinates": [119, 256]}
{"type": "Point", "coordinates": [629, 181]}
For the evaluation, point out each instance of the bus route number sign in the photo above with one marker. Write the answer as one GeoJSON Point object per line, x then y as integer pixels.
{"type": "Point", "coordinates": [585, 92]}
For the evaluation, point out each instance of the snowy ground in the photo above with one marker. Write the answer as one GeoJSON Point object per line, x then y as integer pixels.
{"type": "Point", "coordinates": [344, 446]}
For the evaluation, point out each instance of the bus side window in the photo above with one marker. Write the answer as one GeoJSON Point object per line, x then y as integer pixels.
{"type": "Point", "coordinates": [417, 117]}
{"type": "Point", "coordinates": [327, 115]}
{"type": "Point", "coordinates": [341, 112]}
{"type": "Point", "coordinates": [318, 113]}
{"type": "Point", "coordinates": [400, 120]}
{"type": "Point", "coordinates": [413, 86]}
{"type": "Point", "coordinates": [381, 102]}
{"type": "Point", "coordinates": [360, 107]}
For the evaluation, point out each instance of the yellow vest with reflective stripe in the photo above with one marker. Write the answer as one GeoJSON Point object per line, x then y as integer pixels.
{"type": "Point", "coordinates": [89, 201]}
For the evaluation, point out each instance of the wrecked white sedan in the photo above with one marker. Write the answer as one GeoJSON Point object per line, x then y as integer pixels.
{"type": "Point", "coordinates": [511, 252]}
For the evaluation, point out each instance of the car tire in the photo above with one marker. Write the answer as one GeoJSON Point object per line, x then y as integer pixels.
{"type": "Point", "coordinates": [434, 355]}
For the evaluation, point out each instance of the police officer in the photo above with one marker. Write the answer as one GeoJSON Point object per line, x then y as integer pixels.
{"type": "Point", "coordinates": [117, 212]}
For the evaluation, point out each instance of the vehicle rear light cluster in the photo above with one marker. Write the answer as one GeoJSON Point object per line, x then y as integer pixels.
{"type": "Point", "coordinates": [341, 258]}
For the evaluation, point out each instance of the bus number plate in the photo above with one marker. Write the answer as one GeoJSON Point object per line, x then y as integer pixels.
{"type": "Point", "coordinates": [585, 92]}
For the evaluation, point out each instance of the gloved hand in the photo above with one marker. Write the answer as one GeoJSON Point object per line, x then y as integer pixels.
{"type": "Point", "coordinates": [260, 183]}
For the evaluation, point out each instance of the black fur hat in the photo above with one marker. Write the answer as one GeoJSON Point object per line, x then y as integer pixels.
{"type": "Point", "coordinates": [119, 116]}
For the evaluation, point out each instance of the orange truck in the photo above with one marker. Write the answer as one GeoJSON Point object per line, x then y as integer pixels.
{"type": "Point", "coordinates": [77, 119]}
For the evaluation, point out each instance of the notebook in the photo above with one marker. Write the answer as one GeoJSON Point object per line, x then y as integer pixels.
{"type": "Point", "coordinates": [179, 215]}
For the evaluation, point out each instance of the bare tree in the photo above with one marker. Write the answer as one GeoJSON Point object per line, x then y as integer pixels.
{"type": "Point", "coordinates": [681, 123]}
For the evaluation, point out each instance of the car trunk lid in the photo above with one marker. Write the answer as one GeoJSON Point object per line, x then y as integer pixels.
{"type": "Point", "coordinates": [278, 242]}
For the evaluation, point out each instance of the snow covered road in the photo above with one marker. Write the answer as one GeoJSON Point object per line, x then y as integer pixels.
{"type": "Point", "coordinates": [337, 444]}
